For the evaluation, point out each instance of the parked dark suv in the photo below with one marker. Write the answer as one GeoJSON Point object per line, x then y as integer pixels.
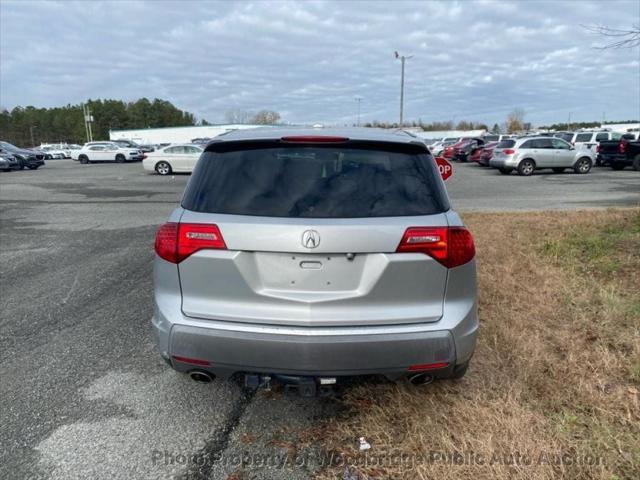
{"type": "Point", "coordinates": [26, 158]}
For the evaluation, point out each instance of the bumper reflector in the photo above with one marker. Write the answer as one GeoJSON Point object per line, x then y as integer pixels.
{"type": "Point", "coordinates": [191, 361]}
{"type": "Point", "coordinates": [421, 367]}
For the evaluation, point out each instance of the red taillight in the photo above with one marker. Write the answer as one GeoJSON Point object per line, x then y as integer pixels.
{"type": "Point", "coordinates": [508, 151]}
{"type": "Point", "coordinates": [191, 361]}
{"type": "Point", "coordinates": [450, 246]}
{"type": "Point", "coordinates": [421, 367]}
{"type": "Point", "coordinates": [621, 147]}
{"type": "Point", "coordinates": [176, 241]}
{"type": "Point", "coordinates": [598, 148]}
{"type": "Point", "coordinates": [314, 139]}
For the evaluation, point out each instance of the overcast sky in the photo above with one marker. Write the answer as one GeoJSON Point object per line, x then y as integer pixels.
{"type": "Point", "coordinates": [309, 60]}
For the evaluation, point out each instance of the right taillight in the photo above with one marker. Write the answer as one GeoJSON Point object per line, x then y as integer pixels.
{"type": "Point", "coordinates": [508, 151]}
{"type": "Point", "coordinates": [450, 246]}
{"type": "Point", "coordinates": [176, 241]}
{"type": "Point", "coordinates": [621, 147]}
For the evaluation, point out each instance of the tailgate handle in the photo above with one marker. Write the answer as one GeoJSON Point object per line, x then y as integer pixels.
{"type": "Point", "coordinates": [311, 265]}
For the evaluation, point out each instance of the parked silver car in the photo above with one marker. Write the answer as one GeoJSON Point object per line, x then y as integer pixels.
{"type": "Point", "coordinates": [311, 254]}
{"type": "Point", "coordinates": [528, 154]}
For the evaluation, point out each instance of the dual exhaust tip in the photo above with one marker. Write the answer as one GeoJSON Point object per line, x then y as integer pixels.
{"type": "Point", "coordinates": [200, 376]}
{"type": "Point", "coordinates": [423, 378]}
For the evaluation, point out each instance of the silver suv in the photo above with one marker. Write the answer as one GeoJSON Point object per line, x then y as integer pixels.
{"type": "Point", "coordinates": [311, 254]}
{"type": "Point", "coordinates": [528, 154]}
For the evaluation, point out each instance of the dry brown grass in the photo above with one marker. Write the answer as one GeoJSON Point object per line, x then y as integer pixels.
{"type": "Point", "coordinates": [556, 371]}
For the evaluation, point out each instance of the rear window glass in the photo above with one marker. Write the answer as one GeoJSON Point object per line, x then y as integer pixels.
{"type": "Point", "coordinates": [583, 137]}
{"type": "Point", "coordinates": [316, 182]}
{"type": "Point", "coordinates": [490, 138]}
{"type": "Point", "coordinates": [506, 144]}
{"type": "Point", "coordinates": [565, 136]}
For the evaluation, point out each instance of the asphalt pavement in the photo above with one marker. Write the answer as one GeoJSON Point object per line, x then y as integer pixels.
{"type": "Point", "coordinates": [84, 391]}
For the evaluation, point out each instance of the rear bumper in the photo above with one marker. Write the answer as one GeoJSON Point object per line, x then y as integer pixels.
{"type": "Point", "coordinates": [503, 162]}
{"type": "Point", "coordinates": [231, 347]}
{"type": "Point", "coordinates": [328, 353]}
{"type": "Point", "coordinates": [611, 158]}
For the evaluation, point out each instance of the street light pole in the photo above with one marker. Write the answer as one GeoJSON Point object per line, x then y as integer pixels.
{"type": "Point", "coordinates": [402, 58]}
{"type": "Point", "coordinates": [358, 99]}
{"type": "Point", "coordinates": [33, 142]}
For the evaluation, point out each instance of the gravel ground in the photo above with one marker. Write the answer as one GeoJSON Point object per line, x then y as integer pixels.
{"type": "Point", "coordinates": [84, 392]}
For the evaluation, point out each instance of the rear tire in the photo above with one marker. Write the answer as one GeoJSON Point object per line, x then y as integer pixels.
{"type": "Point", "coordinates": [583, 165]}
{"type": "Point", "coordinates": [636, 163]}
{"type": "Point", "coordinates": [33, 167]}
{"type": "Point", "coordinates": [120, 158]}
{"type": "Point", "coordinates": [505, 171]}
{"type": "Point", "coordinates": [617, 165]}
{"type": "Point", "coordinates": [526, 167]}
{"type": "Point", "coordinates": [163, 168]}
{"type": "Point", "coordinates": [558, 170]}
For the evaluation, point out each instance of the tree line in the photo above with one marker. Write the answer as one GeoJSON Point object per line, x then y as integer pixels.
{"type": "Point", "coordinates": [31, 126]}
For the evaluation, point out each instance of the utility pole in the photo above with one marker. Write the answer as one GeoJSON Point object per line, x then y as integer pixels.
{"type": "Point", "coordinates": [84, 118]}
{"type": "Point", "coordinates": [86, 113]}
{"type": "Point", "coordinates": [33, 142]}
{"type": "Point", "coordinates": [402, 58]}
{"type": "Point", "coordinates": [569, 122]}
{"type": "Point", "coordinates": [358, 99]}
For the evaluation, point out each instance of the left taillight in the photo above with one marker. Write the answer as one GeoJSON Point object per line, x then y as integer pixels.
{"type": "Point", "coordinates": [176, 241]}
{"type": "Point", "coordinates": [450, 246]}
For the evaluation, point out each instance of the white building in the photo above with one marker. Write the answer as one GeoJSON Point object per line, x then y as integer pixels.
{"type": "Point", "coordinates": [153, 136]}
{"type": "Point", "coordinates": [622, 127]}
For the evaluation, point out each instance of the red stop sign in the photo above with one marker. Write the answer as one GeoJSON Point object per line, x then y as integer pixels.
{"type": "Point", "coordinates": [446, 170]}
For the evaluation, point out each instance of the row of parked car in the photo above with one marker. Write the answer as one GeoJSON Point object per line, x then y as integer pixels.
{"type": "Point", "coordinates": [558, 151]}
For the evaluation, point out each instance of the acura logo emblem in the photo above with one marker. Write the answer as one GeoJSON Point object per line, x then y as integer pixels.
{"type": "Point", "coordinates": [310, 239]}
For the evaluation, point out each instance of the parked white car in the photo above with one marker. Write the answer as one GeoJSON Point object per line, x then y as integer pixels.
{"type": "Point", "coordinates": [173, 158]}
{"type": "Point", "coordinates": [55, 151]}
{"type": "Point", "coordinates": [107, 152]}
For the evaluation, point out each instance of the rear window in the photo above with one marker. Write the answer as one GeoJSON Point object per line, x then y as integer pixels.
{"type": "Point", "coordinates": [506, 144]}
{"type": "Point", "coordinates": [490, 138]}
{"type": "Point", "coordinates": [565, 136]}
{"type": "Point", "coordinates": [583, 137]}
{"type": "Point", "coordinates": [316, 181]}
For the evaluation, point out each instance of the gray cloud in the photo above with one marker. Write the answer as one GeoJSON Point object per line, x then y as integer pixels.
{"type": "Point", "coordinates": [309, 60]}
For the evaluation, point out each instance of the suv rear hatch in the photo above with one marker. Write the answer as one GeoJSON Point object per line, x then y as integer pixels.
{"type": "Point", "coordinates": [305, 232]}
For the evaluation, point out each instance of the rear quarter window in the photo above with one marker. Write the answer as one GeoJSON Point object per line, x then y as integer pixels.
{"type": "Point", "coordinates": [316, 181]}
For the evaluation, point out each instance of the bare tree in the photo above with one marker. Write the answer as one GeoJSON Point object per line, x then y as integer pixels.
{"type": "Point", "coordinates": [266, 117]}
{"type": "Point", "coordinates": [515, 120]}
{"type": "Point", "coordinates": [620, 38]}
{"type": "Point", "coordinates": [237, 116]}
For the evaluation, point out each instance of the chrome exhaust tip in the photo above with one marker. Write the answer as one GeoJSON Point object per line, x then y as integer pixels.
{"type": "Point", "coordinates": [421, 379]}
{"type": "Point", "coordinates": [200, 376]}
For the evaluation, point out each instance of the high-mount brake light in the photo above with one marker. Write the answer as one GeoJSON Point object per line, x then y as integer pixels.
{"type": "Point", "coordinates": [176, 241]}
{"type": "Point", "coordinates": [450, 246]}
{"type": "Point", "coordinates": [314, 139]}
